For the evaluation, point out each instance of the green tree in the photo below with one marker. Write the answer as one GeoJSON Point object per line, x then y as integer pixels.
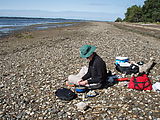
{"type": "Point", "coordinates": [151, 11]}
{"type": "Point", "coordinates": [118, 20]}
{"type": "Point", "coordinates": [133, 14]}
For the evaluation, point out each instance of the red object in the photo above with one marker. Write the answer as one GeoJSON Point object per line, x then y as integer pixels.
{"type": "Point", "coordinates": [140, 83]}
{"type": "Point", "coordinates": [70, 84]}
{"type": "Point", "coordinates": [122, 79]}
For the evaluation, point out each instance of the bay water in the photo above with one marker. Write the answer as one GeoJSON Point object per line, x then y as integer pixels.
{"type": "Point", "coordinates": [10, 24]}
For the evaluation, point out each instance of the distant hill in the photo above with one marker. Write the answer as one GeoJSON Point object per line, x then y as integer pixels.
{"type": "Point", "coordinates": [62, 14]}
{"type": "Point", "coordinates": [32, 18]}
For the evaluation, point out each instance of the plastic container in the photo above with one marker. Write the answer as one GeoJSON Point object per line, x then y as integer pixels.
{"type": "Point", "coordinates": [121, 60]}
{"type": "Point", "coordinates": [126, 64]}
{"type": "Point", "coordinates": [80, 89]}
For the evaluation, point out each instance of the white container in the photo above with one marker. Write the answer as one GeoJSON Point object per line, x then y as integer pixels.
{"type": "Point", "coordinates": [126, 64]}
{"type": "Point", "coordinates": [121, 60]}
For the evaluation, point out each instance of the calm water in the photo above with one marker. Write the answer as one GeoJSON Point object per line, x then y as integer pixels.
{"type": "Point", "coordinates": [10, 24]}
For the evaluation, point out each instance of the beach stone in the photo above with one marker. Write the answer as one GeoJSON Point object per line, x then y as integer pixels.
{"type": "Point", "coordinates": [1, 86]}
{"type": "Point", "coordinates": [33, 69]}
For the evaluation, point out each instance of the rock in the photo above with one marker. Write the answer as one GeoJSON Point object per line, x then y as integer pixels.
{"type": "Point", "coordinates": [1, 86]}
{"type": "Point", "coordinates": [20, 115]}
{"type": "Point", "coordinates": [82, 106]}
{"type": "Point", "coordinates": [33, 69]}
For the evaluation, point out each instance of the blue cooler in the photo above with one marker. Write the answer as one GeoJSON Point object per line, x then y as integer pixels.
{"type": "Point", "coordinates": [121, 60]}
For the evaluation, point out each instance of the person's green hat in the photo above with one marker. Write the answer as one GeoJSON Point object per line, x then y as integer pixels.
{"type": "Point", "coordinates": [87, 50]}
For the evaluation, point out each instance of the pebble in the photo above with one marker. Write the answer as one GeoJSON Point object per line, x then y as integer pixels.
{"type": "Point", "coordinates": [31, 77]}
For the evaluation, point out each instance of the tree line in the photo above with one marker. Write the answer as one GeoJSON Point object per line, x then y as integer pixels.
{"type": "Point", "coordinates": [149, 12]}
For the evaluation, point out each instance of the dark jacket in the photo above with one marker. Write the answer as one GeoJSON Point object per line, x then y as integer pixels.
{"type": "Point", "coordinates": [97, 71]}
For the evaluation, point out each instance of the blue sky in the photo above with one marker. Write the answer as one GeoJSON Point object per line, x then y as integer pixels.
{"type": "Point", "coordinates": [103, 10]}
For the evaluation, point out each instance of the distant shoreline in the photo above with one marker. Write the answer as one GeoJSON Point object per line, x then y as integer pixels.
{"type": "Point", "coordinates": [36, 27]}
{"type": "Point", "coordinates": [1, 17]}
{"type": "Point", "coordinates": [7, 27]}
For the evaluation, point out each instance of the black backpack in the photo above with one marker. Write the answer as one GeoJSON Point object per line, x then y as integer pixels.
{"type": "Point", "coordinates": [65, 94]}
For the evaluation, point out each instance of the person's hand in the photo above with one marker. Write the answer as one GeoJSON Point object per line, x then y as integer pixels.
{"type": "Point", "coordinates": [83, 82]}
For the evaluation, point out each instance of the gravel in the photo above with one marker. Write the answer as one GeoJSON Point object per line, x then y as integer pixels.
{"type": "Point", "coordinates": [32, 69]}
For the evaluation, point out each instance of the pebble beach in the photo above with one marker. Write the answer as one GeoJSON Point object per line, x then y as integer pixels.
{"type": "Point", "coordinates": [34, 64]}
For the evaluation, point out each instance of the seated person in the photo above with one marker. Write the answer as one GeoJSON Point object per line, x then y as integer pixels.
{"type": "Point", "coordinates": [96, 74]}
